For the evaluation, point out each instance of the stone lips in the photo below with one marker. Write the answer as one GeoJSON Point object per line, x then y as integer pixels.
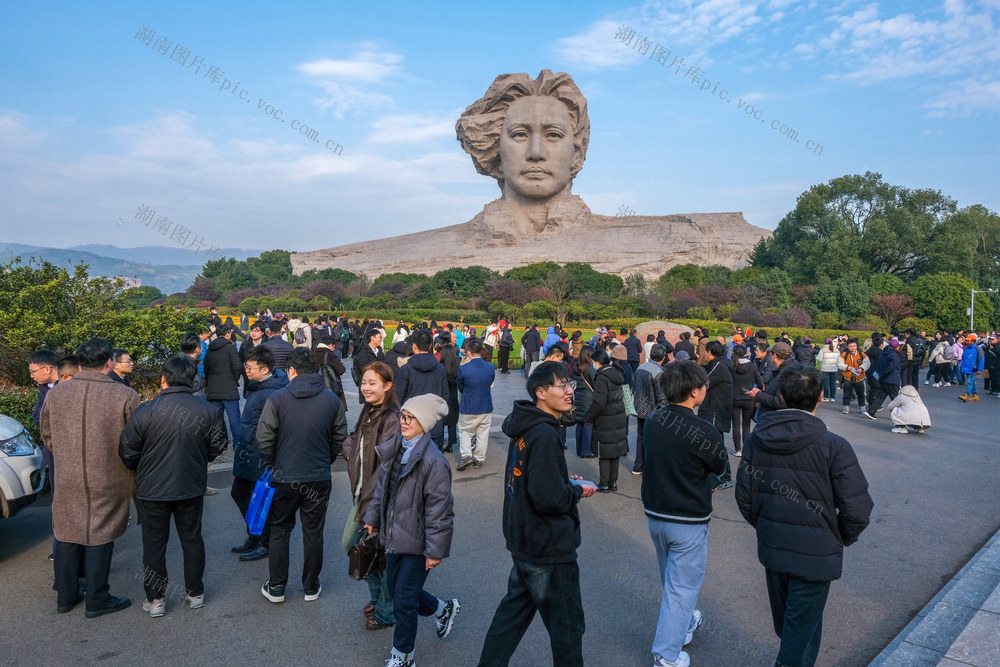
{"type": "Point", "coordinates": [619, 245]}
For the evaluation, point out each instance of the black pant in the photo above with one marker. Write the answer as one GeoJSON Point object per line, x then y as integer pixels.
{"type": "Point", "coordinates": [154, 517]}
{"type": "Point", "coordinates": [640, 449]}
{"type": "Point", "coordinates": [884, 389]}
{"type": "Point", "coordinates": [742, 412]}
{"type": "Point", "coordinates": [942, 372]}
{"type": "Point", "coordinates": [241, 491]}
{"type": "Point", "coordinates": [609, 472]}
{"type": "Point", "coordinates": [554, 592]}
{"type": "Point", "coordinates": [797, 611]}
{"type": "Point", "coordinates": [96, 563]}
{"type": "Point", "coordinates": [407, 574]}
{"type": "Point", "coordinates": [915, 372]}
{"type": "Point", "coordinates": [850, 388]}
{"type": "Point", "coordinates": [310, 500]}
{"type": "Point", "coordinates": [503, 358]}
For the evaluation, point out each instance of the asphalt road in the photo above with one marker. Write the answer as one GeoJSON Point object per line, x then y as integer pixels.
{"type": "Point", "coordinates": [937, 500]}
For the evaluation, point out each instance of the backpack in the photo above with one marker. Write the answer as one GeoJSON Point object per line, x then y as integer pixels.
{"type": "Point", "coordinates": [345, 334]}
{"type": "Point", "coordinates": [300, 335]}
{"type": "Point", "coordinates": [919, 347]}
{"type": "Point", "coordinates": [949, 352]}
{"type": "Point", "coordinates": [330, 379]}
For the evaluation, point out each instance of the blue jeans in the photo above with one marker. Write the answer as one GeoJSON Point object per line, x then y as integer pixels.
{"type": "Point", "coordinates": [830, 385]}
{"type": "Point", "coordinates": [230, 409]}
{"type": "Point", "coordinates": [554, 592]}
{"type": "Point", "coordinates": [407, 574]}
{"type": "Point", "coordinates": [681, 551]}
{"type": "Point", "coordinates": [970, 384]}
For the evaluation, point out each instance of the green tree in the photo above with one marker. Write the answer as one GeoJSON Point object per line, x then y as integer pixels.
{"type": "Point", "coordinates": [854, 226]}
{"type": "Point", "coordinates": [849, 297]}
{"type": "Point", "coordinates": [945, 298]}
{"type": "Point", "coordinates": [682, 276]}
{"type": "Point", "coordinates": [588, 281]}
{"type": "Point", "coordinates": [717, 275]}
{"type": "Point", "coordinates": [140, 297]}
{"type": "Point", "coordinates": [885, 283]}
{"type": "Point", "coordinates": [635, 285]}
{"type": "Point", "coordinates": [462, 283]}
{"type": "Point", "coordinates": [531, 274]}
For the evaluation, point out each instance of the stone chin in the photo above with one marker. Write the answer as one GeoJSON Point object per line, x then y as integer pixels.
{"type": "Point", "coordinates": [503, 222]}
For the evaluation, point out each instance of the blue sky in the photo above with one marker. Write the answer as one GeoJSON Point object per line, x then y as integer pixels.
{"type": "Point", "coordinates": [95, 122]}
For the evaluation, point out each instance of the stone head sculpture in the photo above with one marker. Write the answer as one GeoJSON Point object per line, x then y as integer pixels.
{"type": "Point", "coordinates": [529, 134]}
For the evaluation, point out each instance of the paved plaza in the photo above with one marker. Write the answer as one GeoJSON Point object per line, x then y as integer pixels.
{"type": "Point", "coordinates": [937, 502]}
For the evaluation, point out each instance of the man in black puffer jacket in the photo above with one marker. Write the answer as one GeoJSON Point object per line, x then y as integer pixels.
{"type": "Point", "coordinates": [423, 374]}
{"type": "Point", "coordinates": [169, 442]}
{"type": "Point", "coordinates": [223, 370]}
{"type": "Point", "coordinates": [300, 434]}
{"type": "Point", "coordinates": [801, 487]}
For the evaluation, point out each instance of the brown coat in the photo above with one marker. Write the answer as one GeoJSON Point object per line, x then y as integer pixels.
{"type": "Point", "coordinates": [375, 426]}
{"type": "Point", "coordinates": [81, 422]}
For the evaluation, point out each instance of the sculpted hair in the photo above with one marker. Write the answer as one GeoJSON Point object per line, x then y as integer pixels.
{"type": "Point", "coordinates": [180, 371]}
{"type": "Point", "coordinates": [680, 378]}
{"type": "Point", "coordinates": [262, 356]}
{"type": "Point", "coordinates": [94, 353]}
{"type": "Point", "coordinates": [801, 389]}
{"type": "Point", "coordinates": [546, 374]}
{"type": "Point", "coordinates": [302, 360]}
{"type": "Point", "coordinates": [478, 128]}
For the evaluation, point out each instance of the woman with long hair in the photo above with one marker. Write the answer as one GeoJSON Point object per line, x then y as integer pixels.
{"type": "Point", "coordinates": [584, 374]}
{"type": "Point", "coordinates": [378, 423]}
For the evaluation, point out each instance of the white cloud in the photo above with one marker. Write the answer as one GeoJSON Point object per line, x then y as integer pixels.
{"type": "Point", "coordinates": [348, 83]}
{"type": "Point", "coordinates": [412, 128]}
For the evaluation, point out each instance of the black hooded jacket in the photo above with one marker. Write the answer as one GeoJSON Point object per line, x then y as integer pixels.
{"type": "Point", "coordinates": [301, 431]}
{"type": "Point", "coordinates": [423, 374]}
{"type": "Point", "coordinates": [607, 411]}
{"type": "Point", "coordinates": [802, 488]}
{"type": "Point", "coordinates": [223, 370]}
{"type": "Point", "coordinates": [541, 522]}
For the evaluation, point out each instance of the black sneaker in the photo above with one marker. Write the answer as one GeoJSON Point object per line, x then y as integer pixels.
{"type": "Point", "coordinates": [258, 552]}
{"type": "Point", "coordinates": [447, 618]}
{"type": "Point", "coordinates": [273, 593]}
{"type": "Point", "coordinates": [477, 464]}
{"type": "Point", "coordinates": [466, 462]}
{"type": "Point", "coordinates": [726, 485]}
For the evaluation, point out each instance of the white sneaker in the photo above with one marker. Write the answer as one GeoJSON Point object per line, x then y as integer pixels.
{"type": "Point", "coordinates": [936, 384]}
{"type": "Point", "coordinates": [927, 381]}
{"type": "Point", "coordinates": [947, 384]}
{"type": "Point", "coordinates": [900, 429]}
{"type": "Point", "coordinates": [396, 661]}
{"type": "Point", "coordinates": [847, 411]}
{"type": "Point", "coordinates": [196, 601]}
{"type": "Point", "coordinates": [311, 597]}
{"type": "Point", "coordinates": [694, 625]}
{"type": "Point", "coordinates": [156, 608]}
{"type": "Point", "coordinates": [683, 660]}
{"type": "Point", "coordinates": [447, 618]}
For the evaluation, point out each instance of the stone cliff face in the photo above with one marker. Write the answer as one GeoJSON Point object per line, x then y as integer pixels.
{"type": "Point", "coordinates": [620, 245]}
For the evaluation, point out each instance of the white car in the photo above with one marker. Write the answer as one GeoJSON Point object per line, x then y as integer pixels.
{"type": "Point", "coordinates": [21, 474]}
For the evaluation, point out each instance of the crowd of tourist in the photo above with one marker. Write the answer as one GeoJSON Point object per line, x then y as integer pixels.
{"type": "Point", "coordinates": [432, 389]}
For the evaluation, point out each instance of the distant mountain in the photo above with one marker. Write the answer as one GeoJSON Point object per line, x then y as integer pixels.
{"type": "Point", "coordinates": [152, 254]}
{"type": "Point", "coordinates": [167, 277]}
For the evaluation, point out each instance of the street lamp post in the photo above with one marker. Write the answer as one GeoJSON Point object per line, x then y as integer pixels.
{"type": "Point", "coordinates": [972, 308]}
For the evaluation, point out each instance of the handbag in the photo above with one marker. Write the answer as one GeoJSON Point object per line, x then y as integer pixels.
{"type": "Point", "coordinates": [260, 504]}
{"type": "Point", "coordinates": [330, 378]}
{"type": "Point", "coordinates": [629, 401]}
{"type": "Point", "coordinates": [365, 558]}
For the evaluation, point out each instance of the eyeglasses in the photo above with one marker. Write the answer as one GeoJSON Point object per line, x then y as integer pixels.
{"type": "Point", "coordinates": [567, 387]}
{"type": "Point", "coordinates": [40, 368]}
{"type": "Point", "coordinates": [406, 418]}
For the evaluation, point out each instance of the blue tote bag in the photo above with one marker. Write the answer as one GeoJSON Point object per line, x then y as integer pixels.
{"type": "Point", "coordinates": [260, 504]}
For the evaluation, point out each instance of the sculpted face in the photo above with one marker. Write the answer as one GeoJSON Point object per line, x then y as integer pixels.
{"type": "Point", "coordinates": [536, 149]}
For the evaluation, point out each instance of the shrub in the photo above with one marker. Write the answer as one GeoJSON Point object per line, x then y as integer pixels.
{"type": "Point", "coordinates": [320, 302]}
{"type": "Point", "coordinates": [725, 311]}
{"type": "Point", "coordinates": [827, 320]}
{"type": "Point", "coordinates": [797, 317]}
{"type": "Point", "coordinates": [918, 323]}
{"type": "Point", "coordinates": [18, 403]}
{"type": "Point", "coordinates": [747, 314]}
{"type": "Point", "coordinates": [539, 310]}
{"type": "Point", "coordinates": [700, 313]}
